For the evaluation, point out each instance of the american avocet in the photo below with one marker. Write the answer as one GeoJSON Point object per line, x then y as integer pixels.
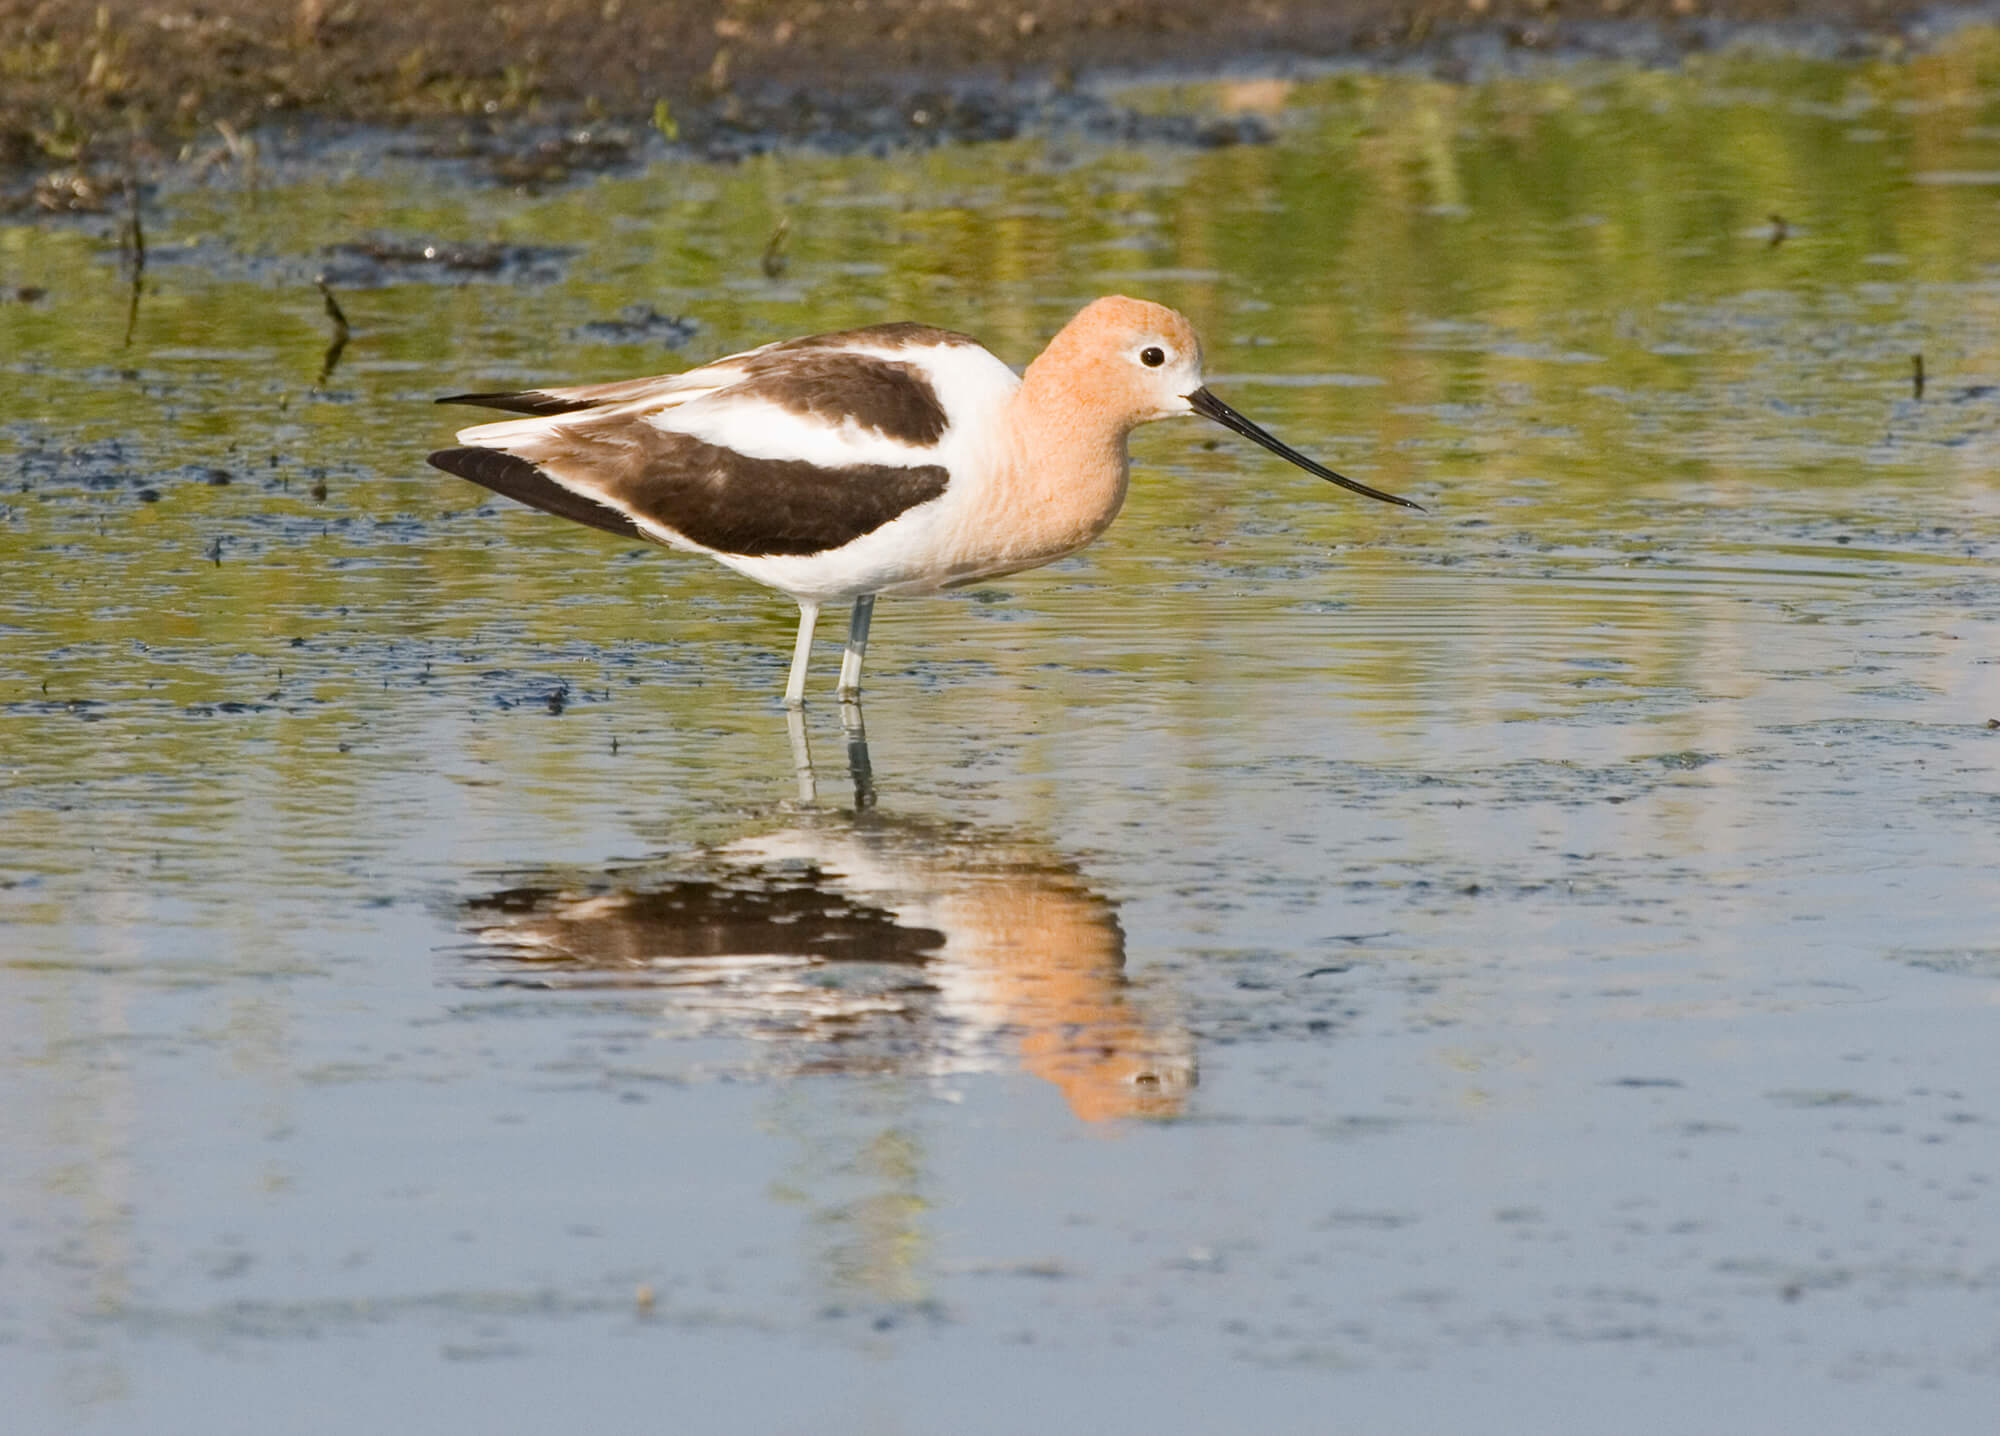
{"type": "Point", "coordinates": [893, 459]}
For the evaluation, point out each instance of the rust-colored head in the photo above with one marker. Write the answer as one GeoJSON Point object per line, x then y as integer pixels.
{"type": "Point", "coordinates": [1126, 361]}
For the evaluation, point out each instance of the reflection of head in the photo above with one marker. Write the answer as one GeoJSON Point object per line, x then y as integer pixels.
{"type": "Point", "coordinates": [1033, 953]}
{"type": "Point", "coordinates": [842, 941]}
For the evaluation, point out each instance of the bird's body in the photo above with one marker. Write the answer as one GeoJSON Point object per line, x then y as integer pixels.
{"type": "Point", "coordinates": [893, 459]}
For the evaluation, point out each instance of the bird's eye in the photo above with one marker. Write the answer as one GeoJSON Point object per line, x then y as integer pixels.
{"type": "Point", "coordinates": [1152, 356]}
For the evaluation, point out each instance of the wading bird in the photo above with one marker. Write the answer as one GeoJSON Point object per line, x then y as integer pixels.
{"type": "Point", "coordinates": [893, 459]}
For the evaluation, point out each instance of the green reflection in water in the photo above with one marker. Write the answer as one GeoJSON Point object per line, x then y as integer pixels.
{"type": "Point", "coordinates": [1549, 305]}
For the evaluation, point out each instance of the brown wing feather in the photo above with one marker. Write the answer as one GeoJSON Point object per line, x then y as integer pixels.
{"type": "Point", "coordinates": [604, 468]}
{"type": "Point", "coordinates": [518, 479]}
{"type": "Point", "coordinates": [706, 493]}
{"type": "Point", "coordinates": [522, 401]}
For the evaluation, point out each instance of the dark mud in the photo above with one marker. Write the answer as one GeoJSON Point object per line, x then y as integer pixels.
{"type": "Point", "coordinates": [538, 92]}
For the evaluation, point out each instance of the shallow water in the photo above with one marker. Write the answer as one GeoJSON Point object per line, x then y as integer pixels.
{"type": "Point", "coordinates": [1298, 960]}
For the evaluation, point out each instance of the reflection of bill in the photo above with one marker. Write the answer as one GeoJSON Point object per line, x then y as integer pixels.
{"type": "Point", "coordinates": [863, 943]}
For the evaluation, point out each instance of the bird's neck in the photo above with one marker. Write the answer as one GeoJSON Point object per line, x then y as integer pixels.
{"type": "Point", "coordinates": [1070, 466]}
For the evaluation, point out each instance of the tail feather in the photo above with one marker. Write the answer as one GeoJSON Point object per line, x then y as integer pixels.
{"type": "Point", "coordinates": [523, 401]}
{"type": "Point", "coordinates": [521, 481]}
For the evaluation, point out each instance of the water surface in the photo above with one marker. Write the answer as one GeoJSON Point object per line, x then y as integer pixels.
{"type": "Point", "coordinates": [1530, 966]}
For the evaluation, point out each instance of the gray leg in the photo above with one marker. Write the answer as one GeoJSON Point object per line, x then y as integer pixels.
{"type": "Point", "coordinates": [795, 687]}
{"type": "Point", "coordinates": [858, 766]}
{"type": "Point", "coordinates": [857, 645]}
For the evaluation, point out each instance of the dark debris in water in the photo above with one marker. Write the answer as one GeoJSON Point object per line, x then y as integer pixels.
{"type": "Point", "coordinates": [231, 707]}
{"type": "Point", "coordinates": [100, 464]}
{"type": "Point", "coordinates": [553, 160]}
{"type": "Point", "coordinates": [1806, 1099]}
{"type": "Point", "coordinates": [74, 191]}
{"type": "Point", "coordinates": [537, 693]}
{"type": "Point", "coordinates": [90, 710]}
{"type": "Point", "coordinates": [104, 466]}
{"type": "Point", "coordinates": [881, 122]}
{"type": "Point", "coordinates": [377, 261]}
{"type": "Point", "coordinates": [1686, 761]}
{"type": "Point", "coordinates": [530, 158]}
{"type": "Point", "coordinates": [877, 119]}
{"type": "Point", "coordinates": [875, 123]}
{"type": "Point", "coordinates": [1977, 962]}
{"type": "Point", "coordinates": [640, 324]}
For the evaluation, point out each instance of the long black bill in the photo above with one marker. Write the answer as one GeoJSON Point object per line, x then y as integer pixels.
{"type": "Point", "coordinates": [1208, 406]}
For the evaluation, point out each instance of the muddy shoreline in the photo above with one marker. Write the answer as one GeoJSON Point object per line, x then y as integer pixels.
{"type": "Point", "coordinates": [94, 92]}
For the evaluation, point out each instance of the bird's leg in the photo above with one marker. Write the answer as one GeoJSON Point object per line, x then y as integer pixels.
{"type": "Point", "coordinates": [795, 687]}
{"type": "Point", "coordinates": [802, 758]}
{"type": "Point", "coordinates": [858, 766]}
{"type": "Point", "coordinates": [857, 645]}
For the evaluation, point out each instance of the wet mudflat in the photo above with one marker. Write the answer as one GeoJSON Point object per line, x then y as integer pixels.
{"type": "Point", "coordinates": [1531, 966]}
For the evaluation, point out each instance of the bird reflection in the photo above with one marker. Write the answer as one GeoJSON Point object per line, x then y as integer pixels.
{"type": "Point", "coordinates": [857, 941]}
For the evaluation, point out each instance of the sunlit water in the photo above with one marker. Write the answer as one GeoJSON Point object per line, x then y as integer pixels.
{"type": "Point", "coordinates": [1530, 966]}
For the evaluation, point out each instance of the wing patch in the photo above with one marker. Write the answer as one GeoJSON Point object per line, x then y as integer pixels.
{"type": "Point", "coordinates": [520, 480]}
{"type": "Point", "coordinates": [640, 481]}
